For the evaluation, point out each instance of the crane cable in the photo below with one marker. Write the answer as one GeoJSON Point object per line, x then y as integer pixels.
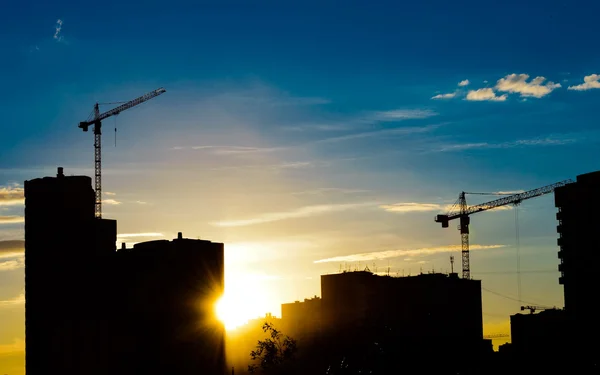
{"type": "Point", "coordinates": [518, 245]}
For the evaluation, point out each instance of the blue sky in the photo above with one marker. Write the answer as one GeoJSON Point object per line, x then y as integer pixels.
{"type": "Point", "coordinates": [288, 128]}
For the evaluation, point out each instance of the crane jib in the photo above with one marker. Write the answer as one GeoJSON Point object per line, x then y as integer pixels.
{"type": "Point", "coordinates": [97, 122]}
{"type": "Point", "coordinates": [511, 199]}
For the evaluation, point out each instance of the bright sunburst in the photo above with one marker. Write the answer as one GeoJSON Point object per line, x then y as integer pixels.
{"type": "Point", "coordinates": [244, 299]}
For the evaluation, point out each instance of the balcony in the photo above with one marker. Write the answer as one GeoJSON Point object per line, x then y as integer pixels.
{"type": "Point", "coordinates": [561, 267]}
{"type": "Point", "coordinates": [561, 280]}
{"type": "Point", "coordinates": [559, 216]}
{"type": "Point", "coordinates": [559, 228]}
{"type": "Point", "coordinates": [561, 254]}
{"type": "Point", "coordinates": [560, 241]}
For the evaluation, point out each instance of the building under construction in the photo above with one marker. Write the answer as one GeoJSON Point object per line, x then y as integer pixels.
{"type": "Point", "coordinates": [418, 313]}
{"type": "Point", "coordinates": [90, 309]}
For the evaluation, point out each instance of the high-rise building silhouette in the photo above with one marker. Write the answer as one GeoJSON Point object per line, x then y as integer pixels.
{"type": "Point", "coordinates": [579, 220]}
{"type": "Point", "coordinates": [168, 323]}
{"type": "Point", "coordinates": [90, 309]}
{"type": "Point", "coordinates": [63, 244]}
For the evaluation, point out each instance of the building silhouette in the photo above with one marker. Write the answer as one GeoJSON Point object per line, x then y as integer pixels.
{"type": "Point", "coordinates": [378, 319]}
{"type": "Point", "coordinates": [579, 219]}
{"type": "Point", "coordinates": [536, 336]}
{"type": "Point", "coordinates": [90, 309]}
{"type": "Point", "coordinates": [302, 318]}
{"type": "Point", "coordinates": [168, 291]}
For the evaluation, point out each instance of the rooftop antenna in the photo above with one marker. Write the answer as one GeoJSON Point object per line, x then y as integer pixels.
{"type": "Point", "coordinates": [388, 269]}
{"type": "Point", "coordinates": [452, 263]}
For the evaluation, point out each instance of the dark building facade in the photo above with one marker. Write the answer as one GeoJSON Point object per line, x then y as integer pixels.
{"type": "Point", "coordinates": [64, 245]}
{"type": "Point", "coordinates": [540, 334]}
{"type": "Point", "coordinates": [92, 310]}
{"type": "Point", "coordinates": [579, 219]}
{"type": "Point", "coordinates": [302, 318]}
{"type": "Point", "coordinates": [424, 308]}
{"type": "Point", "coordinates": [166, 295]}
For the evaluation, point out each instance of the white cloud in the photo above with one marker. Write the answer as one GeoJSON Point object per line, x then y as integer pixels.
{"type": "Point", "coordinates": [19, 300]}
{"type": "Point", "coordinates": [412, 207]}
{"type": "Point", "coordinates": [403, 114]}
{"type": "Point", "coordinates": [113, 202]}
{"type": "Point", "coordinates": [589, 82]}
{"type": "Point", "coordinates": [57, 30]}
{"type": "Point", "coordinates": [517, 83]}
{"type": "Point", "coordinates": [464, 83]}
{"type": "Point", "coordinates": [404, 252]}
{"type": "Point", "coordinates": [485, 94]}
{"type": "Point", "coordinates": [444, 96]}
{"type": "Point", "coordinates": [11, 195]}
{"type": "Point", "coordinates": [11, 219]}
{"type": "Point", "coordinates": [109, 193]}
{"type": "Point", "coordinates": [294, 214]}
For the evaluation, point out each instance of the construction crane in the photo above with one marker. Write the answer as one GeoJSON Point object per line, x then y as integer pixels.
{"type": "Point", "coordinates": [460, 210]}
{"type": "Point", "coordinates": [96, 119]}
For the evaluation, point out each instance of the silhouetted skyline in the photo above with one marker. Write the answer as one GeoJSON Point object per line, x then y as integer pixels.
{"type": "Point", "coordinates": [307, 137]}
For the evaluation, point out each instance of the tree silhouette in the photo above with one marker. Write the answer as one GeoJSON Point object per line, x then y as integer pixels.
{"type": "Point", "coordinates": [271, 352]}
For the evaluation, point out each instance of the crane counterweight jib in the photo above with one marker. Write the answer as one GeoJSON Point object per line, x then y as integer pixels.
{"type": "Point", "coordinates": [443, 219]}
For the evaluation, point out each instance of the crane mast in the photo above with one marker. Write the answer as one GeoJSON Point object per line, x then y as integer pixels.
{"type": "Point", "coordinates": [96, 120]}
{"type": "Point", "coordinates": [460, 210]}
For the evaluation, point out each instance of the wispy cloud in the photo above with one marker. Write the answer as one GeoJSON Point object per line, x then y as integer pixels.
{"type": "Point", "coordinates": [11, 195]}
{"type": "Point", "coordinates": [403, 252]}
{"type": "Point", "coordinates": [444, 96]}
{"type": "Point", "coordinates": [403, 114]}
{"type": "Point", "coordinates": [542, 141]}
{"type": "Point", "coordinates": [424, 207]}
{"type": "Point", "coordinates": [412, 207]}
{"type": "Point", "coordinates": [384, 132]}
{"type": "Point", "coordinates": [231, 150]}
{"type": "Point", "coordinates": [18, 300]}
{"type": "Point", "coordinates": [485, 94]}
{"type": "Point", "coordinates": [464, 83]}
{"type": "Point", "coordinates": [508, 192]}
{"type": "Point", "coordinates": [57, 31]}
{"type": "Point", "coordinates": [322, 191]}
{"type": "Point", "coordinates": [112, 202]}
{"type": "Point", "coordinates": [11, 219]}
{"type": "Point", "coordinates": [109, 193]}
{"type": "Point", "coordinates": [589, 82]}
{"type": "Point", "coordinates": [13, 264]}
{"type": "Point", "coordinates": [301, 212]}
{"type": "Point", "coordinates": [517, 83]}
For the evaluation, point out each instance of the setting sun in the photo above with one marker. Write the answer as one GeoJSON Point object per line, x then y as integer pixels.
{"type": "Point", "coordinates": [244, 299]}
